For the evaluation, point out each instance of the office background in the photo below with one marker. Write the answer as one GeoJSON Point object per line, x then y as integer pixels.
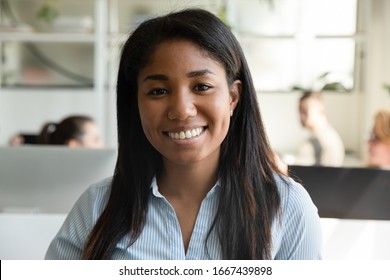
{"type": "Point", "coordinates": [352, 40]}
{"type": "Point", "coordinates": [88, 34]}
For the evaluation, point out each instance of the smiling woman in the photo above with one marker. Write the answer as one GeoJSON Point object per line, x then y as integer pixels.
{"type": "Point", "coordinates": [195, 176]}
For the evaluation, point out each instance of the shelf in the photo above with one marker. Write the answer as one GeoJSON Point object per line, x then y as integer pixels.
{"type": "Point", "coordinates": [249, 34]}
{"type": "Point", "coordinates": [42, 89]}
{"type": "Point", "coordinates": [47, 37]}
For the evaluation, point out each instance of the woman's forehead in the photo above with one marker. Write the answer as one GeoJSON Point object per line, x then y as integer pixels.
{"type": "Point", "coordinates": [179, 52]}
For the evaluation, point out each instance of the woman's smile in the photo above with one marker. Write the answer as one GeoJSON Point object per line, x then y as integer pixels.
{"type": "Point", "coordinates": [183, 134]}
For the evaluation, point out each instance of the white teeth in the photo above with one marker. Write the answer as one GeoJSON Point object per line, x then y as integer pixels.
{"type": "Point", "coordinates": [186, 134]}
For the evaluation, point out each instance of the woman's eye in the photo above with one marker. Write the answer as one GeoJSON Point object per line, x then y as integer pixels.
{"type": "Point", "coordinates": [202, 87]}
{"type": "Point", "coordinates": [157, 91]}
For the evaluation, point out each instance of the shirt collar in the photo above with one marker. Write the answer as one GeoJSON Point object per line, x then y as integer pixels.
{"type": "Point", "coordinates": [156, 192]}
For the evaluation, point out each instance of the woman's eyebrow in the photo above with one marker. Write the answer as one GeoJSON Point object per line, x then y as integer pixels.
{"type": "Point", "coordinates": [198, 73]}
{"type": "Point", "coordinates": [192, 74]}
{"type": "Point", "coordinates": [156, 77]}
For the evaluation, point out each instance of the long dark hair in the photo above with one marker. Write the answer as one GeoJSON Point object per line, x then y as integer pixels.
{"type": "Point", "coordinates": [249, 201]}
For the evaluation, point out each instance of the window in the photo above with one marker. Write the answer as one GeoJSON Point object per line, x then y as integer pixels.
{"type": "Point", "coordinates": [307, 44]}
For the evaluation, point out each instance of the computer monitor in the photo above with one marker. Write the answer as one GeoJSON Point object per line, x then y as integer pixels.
{"type": "Point", "coordinates": [346, 192]}
{"type": "Point", "coordinates": [49, 179]}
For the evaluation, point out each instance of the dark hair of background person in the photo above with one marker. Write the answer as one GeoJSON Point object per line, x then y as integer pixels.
{"type": "Point", "coordinates": [249, 199]}
{"type": "Point", "coordinates": [61, 133]}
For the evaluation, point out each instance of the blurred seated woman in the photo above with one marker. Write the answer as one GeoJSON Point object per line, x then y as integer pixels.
{"type": "Point", "coordinates": [74, 131]}
{"type": "Point", "coordinates": [379, 142]}
{"type": "Point", "coordinates": [19, 139]}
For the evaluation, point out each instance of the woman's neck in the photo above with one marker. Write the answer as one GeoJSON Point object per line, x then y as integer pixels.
{"type": "Point", "coordinates": [183, 181]}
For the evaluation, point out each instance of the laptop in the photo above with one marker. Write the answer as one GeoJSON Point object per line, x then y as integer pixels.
{"type": "Point", "coordinates": [49, 179]}
{"type": "Point", "coordinates": [346, 192]}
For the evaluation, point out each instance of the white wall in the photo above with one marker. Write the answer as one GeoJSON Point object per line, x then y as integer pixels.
{"type": "Point", "coordinates": [377, 70]}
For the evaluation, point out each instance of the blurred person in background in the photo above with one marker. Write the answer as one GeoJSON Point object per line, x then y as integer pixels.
{"type": "Point", "coordinates": [379, 142]}
{"type": "Point", "coordinates": [17, 140]}
{"type": "Point", "coordinates": [324, 147]}
{"type": "Point", "coordinates": [74, 131]}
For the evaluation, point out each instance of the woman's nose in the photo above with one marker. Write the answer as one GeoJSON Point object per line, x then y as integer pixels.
{"type": "Point", "coordinates": [181, 106]}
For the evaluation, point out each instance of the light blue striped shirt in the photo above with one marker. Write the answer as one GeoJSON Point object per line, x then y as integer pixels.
{"type": "Point", "coordinates": [296, 236]}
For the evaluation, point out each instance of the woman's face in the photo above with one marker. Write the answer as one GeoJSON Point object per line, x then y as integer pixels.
{"type": "Point", "coordinates": [378, 152]}
{"type": "Point", "coordinates": [185, 102]}
{"type": "Point", "coordinates": [90, 139]}
{"type": "Point", "coordinates": [310, 113]}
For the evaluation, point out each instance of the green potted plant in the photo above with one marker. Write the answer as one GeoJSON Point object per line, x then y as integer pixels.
{"type": "Point", "coordinates": [48, 12]}
{"type": "Point", "coordinates": [387, 87]}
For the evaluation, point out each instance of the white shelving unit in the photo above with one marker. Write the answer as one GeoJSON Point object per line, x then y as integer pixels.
{"type": "Point", "coordinates": [113, 20]}
{"type": "Point", "coordinates": [33, 105]}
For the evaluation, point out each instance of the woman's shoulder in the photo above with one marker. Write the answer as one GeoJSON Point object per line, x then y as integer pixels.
{"type": "Point", "coordinates": [102, 186]}
{"type": "Point", "coordinates": [96, 196]}
{"type": "Point", "coordinates": [73, 235]}
{"type": "Point", "coordinates": [298, 235]}
{"type": "Point", "coordinates": [91, 203]}
{"type": "Point", "coordinates": [292, 194]}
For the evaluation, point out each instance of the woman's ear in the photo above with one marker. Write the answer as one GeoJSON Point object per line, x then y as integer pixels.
{"type": "Point", "coordinates": [235, 92]}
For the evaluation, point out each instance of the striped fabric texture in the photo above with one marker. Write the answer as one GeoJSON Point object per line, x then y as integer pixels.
{"type": "Point", "coordinates": [297, 235]}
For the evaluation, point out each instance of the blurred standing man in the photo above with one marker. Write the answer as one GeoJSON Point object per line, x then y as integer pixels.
{"type": "Point", "coordinates": [324, 146]}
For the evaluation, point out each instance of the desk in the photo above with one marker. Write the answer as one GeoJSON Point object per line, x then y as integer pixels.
{"type": "Point", "coordinates": [27, 236]}
{"type": "Point", "coordinates": [356, 239]}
